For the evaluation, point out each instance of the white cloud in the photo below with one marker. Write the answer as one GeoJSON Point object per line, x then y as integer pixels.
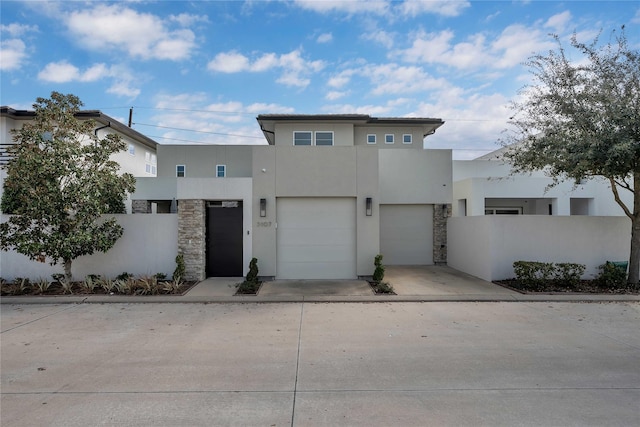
{"type": "Point", "coordinates": [140, 35]}
{"type": "Point", "coordinates": [350, 7]}
{"type": "Point", "coordinates": [381, 37]}
{"type": "Point", "coordinates": [18, 30]}
{"type": "Point", "coordinates": [186, 19]}
{"type": "Point", "coordinates": [295, 69]}
{"type": "Point", "coordinates": [636, 18]}
{"type": "Point", "coordinates": [559, 21]}
{"type": "Point", "coordinates": [335, 95]}
{"type": "Point", "coordinates": [324, 38]}
{"type": "Point", "coordinates": [12, 54]}
{"type": "Point", "coordinates": [444, 8]}
{"type": "Point", "coordinates": [59, 72]}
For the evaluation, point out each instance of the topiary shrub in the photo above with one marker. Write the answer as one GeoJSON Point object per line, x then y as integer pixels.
{"type": "Point", "coordinates": [378, 273]}
{"type": "Point", "coordinates": [179, 272]}
{"type": "Point", "coordinates": [252, 275]}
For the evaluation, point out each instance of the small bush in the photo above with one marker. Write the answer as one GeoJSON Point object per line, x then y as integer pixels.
{"type": "Point", "coordinates": [378, 273]}
{"type": "Point", "coordinates": [247, 287]}
{"type": "Point", "coordinates": [531, 273]}
{"type": "Point", "coordinates": [124, 276]}
{"type": "Point", "coordinates": [384, 288]}
{"type": "Point", "coordinates": [568, 274]}
{"type": "Point", "coordinates": [252, 275]}
{"type": "Point", "coordinates": [611, 276]}
{"type": "Point", "coordinates": [179, 272]}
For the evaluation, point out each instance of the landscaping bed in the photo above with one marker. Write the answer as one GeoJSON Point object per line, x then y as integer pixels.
{"type": "Point", "coordinates": [582, 287]}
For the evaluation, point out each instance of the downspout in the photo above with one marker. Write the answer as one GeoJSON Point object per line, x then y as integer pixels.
{"type": "Point", "coordinates": [108, 125]}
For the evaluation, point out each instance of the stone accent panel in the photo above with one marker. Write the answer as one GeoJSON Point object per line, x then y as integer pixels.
{"type": "Point", "coordinates": [192, 237]}
{"type": "Point", "coordinates": [140, 207]}
{"type": "Point", "coordinates": [441, 213]}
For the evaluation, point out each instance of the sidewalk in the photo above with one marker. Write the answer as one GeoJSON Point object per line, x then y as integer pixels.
{"type": "Point", "coordinates": [411, 284]}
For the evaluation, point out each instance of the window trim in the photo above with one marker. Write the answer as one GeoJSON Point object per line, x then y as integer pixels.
{"type": "Point", "coordinates": [375, 139]}
{"type": "Point", "coordinates": [493, 210]}
{"type": "Point", "coordinates": [410, 138]}
{"type": "Point", "coordinates": [184, 171]}
{"type": "Point", "coordinates": [224, 171]}
{"type": "Point", "coordinates": [302, 131]}
{"type": "Point", "coordinates": [315, 140]}
{"type": "Point", "coordinates": [132, 149]}
{"type": "Point", "coordinates": [393, 138]}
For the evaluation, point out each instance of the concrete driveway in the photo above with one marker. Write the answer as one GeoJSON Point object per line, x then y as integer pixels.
{"type": "Point", "coordinates": [316, 364]}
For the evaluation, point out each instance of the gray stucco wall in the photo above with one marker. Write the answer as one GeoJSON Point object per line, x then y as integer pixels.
{"type": "Point", "coordinates": [201, 161]}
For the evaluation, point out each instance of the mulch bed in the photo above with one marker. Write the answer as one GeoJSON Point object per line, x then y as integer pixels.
{"type": "Point", "coordinates": [551, 287]}
{"type": "Point", "coordinates": [56, 288]}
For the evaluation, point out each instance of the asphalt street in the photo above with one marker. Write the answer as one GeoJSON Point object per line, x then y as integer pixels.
{"type": "Point", "coordinates": [321, 364]}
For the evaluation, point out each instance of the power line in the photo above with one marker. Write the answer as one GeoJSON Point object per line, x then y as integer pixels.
{"type": "Point", "coordinates": [198, 131]}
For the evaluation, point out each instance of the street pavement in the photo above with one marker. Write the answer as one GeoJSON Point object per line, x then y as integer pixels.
{"type": "Point", "coordinates": [321, 364]}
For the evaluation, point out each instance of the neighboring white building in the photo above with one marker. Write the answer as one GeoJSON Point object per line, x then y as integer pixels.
{"type": "Point", "coordinates": [485, 186]}
{"type": "Point", "coordinates": [320, 200]}
{"type": "Point", "coordinates": [140, 158]}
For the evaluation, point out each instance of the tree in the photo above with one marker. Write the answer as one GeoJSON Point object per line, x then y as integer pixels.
{"type": "Point", "coordinates": [60, 181]}
{"type": "Point", "coordinates": [581, 120]}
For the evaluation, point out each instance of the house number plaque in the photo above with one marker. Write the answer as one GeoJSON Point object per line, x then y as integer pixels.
{"type": "Point", "coordinates": [264, 223]}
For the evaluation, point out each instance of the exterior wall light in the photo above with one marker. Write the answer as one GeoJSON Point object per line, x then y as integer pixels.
{"type": "Point", "coordinates": [369, 206]}
{"type": "Point", "coordinates": [263, 208]}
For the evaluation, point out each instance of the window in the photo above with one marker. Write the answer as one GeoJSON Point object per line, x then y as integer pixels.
{"type": "Point", "coordinates": [302, 138]}
{"type": "Point", "coordinates": [151, 162]}
{"type": "Point", "coordinates": [132, 149]}
{"type": "Point", "coordinates": [407, 138]}
{"type": "Point", "coordinates": [388, 138]}
{"type": "Point", "coordinates": [324, 138]}
{"type": "Point", "coordinates": [503, 211]}
{"type": "Point", "coordinates": [181, 171]}
{"type": "Point", "coordinates": [221, 171]}
{"type": "Point", "coordinates": [371, 139]}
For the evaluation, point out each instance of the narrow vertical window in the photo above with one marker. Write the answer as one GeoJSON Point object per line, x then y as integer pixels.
{"type": "Point", "coordinates": [132, 149]}
{"type": "Point", "coordinates": [221, 171]}
{"type": "Point", "coordinates": [181, 171]}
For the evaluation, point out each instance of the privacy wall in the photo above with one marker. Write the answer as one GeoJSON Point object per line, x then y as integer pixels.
{"type": "Point", "coordinates": [148, 246]}
{"type": "Point", "coordinates": [487, 246]}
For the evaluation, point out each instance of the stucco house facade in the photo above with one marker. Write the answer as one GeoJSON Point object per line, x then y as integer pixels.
{"type": "Point", "coordinates": [319, 200]}
{"type": "Point", "coordinates": [140, 158]}
{"type": "Point", "coordinates": [485, 186]}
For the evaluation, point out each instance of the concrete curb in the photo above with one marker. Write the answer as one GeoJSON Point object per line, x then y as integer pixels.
{"type": "Point", "coordinates": [247, 299]}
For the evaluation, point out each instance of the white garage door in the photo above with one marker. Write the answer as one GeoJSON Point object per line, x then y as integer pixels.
{"type": "Point", "coordinates": [406, 234]}
{"type": "Point", "coordinates": [316, 238]}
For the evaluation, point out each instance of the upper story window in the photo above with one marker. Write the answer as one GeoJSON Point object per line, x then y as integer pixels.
{"type": "Point", "coordinates": [388, 138]}
{"type": "Point", "coordinates": [221, 171]}
{"type": "Point", "coordinates": [306, 138]}
{"type": "Point", "coordinates": [302, 138]}
{"type": "Point", "coordinates": [132, 149]}
{"type": "Point", "coordinates": [324, 138]}
{"type": "Point", "coordinates": [181, 171]}
{"type": "Point", "coordinates": [371, 138]}
{"type": "Point", "coordinates": [407, 138]}
{"type": "Point", "coordinates": [150, 163]}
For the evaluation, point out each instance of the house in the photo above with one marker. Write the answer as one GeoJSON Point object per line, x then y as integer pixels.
{"type": "Point", "coordinates": [319, 200]}
{"type": "Point", "coordinates": [140, 158]}
{"type": "Point", "coordinates": [485, 186]}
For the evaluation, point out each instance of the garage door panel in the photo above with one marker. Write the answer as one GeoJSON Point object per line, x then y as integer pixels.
{"type": "Point", "coordinates": [406, 234]}
{"type": "Point", "coordinates": [316, 238]}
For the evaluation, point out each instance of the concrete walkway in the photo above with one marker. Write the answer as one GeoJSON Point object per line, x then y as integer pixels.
{"type": "Point", "coordinates": [411, 284]}
{"type": "Point", "coordinates": [315, 364]}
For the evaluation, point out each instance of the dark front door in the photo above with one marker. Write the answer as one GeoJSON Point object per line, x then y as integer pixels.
{"type": "Point", "coordinates": [224, 241]}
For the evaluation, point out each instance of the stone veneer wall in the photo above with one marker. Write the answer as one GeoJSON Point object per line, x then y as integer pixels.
{"type": "Point", "coordinates": [192, 237]}
{"type": "Point", "coordinates": [440, 216]}
{"type": "Point", "coordinates": [140, 206]}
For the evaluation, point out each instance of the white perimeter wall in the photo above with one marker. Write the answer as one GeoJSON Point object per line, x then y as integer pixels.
{"type": "Point", "coordinates": [487, 246]}
{"type": "Point", "coordinates": [148, 246]}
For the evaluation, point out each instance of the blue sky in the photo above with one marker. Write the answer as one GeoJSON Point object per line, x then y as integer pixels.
{"type": "Point", "coordinates": [200, 71]}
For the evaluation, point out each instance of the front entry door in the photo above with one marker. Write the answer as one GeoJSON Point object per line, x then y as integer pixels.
{"type": "Point", "coordinates": [224, 240]}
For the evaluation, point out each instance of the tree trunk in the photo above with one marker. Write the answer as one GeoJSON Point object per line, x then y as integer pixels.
{"type": "Point", "coordinates": [67, 270]}
{"type": "Point", "coordinates": [634, 258]}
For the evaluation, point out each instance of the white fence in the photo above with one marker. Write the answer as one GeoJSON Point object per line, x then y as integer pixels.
{"type": "Point", "coordinates": [149, 246]}
{"type": "Point", "coordinates": [487, 246]}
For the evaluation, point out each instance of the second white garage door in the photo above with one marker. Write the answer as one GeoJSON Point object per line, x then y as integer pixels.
{"type": "Point", "coordinates": [316, 238]}
{"type": "Point", "coordinates": [406, 234]}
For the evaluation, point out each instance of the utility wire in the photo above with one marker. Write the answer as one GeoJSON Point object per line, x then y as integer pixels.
{"type": "Point", "coordinates": [198, 131]}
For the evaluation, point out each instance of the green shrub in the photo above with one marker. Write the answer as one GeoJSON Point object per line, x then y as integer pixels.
{"type": "Point", "coordinates": [568, 274]}
{"type": "Point", "coordinates": [247, 287]}
{"type": "Point", "coordinates": [532, 273]}
{"type": "Point", "coordinates": [611, 276]}
{"type": "Point", "coordinates": [252, 275]}
{"type": "Point", "coordinates": [124, 276]}
{"type": "Point", "coordinates": [384, 288]}
{"type": "Point", "coordinates": [178, 273]}
{"type": "Point", "coordinates": [378, 273]}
